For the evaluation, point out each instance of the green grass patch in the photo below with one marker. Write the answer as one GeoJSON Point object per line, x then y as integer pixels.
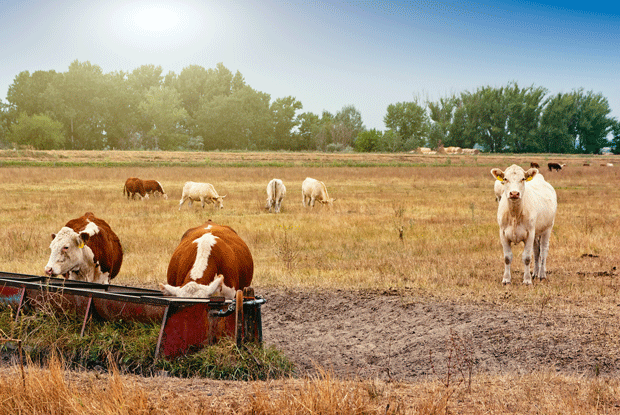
{"type": "Point", "coordinates": [130, 346]}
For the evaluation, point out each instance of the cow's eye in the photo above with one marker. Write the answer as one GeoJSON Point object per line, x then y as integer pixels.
{"type": "Point", "coordinates": [65, 248]}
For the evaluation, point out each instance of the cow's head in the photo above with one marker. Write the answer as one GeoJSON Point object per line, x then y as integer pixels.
{"type": "Point", "coordinates": [513, 180]}
{"type": "Point", "coordinates": [69, 255]}
{"type": "Point", "coordinates": [329, 202]}
{"type": "Point", "coordinates": [219, 201]}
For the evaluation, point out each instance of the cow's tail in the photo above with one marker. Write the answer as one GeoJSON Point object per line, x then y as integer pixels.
{"type": "Point", "coordinates": [125, 191]}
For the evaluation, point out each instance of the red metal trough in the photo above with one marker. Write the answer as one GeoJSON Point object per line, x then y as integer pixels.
{"type": "Point", "coordinates": [185, 322]}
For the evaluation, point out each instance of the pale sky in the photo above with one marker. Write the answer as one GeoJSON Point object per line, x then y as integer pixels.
{"type": "Point", "coordinates": [329, 54]}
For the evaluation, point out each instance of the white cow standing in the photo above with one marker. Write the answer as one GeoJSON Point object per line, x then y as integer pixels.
{"type": "Point", "coordinates": [526, 213]}
{"type": "Point", "coordinates": [275, 193]}
{"type": "Point", "coordinates": [313, 190]}
{"type": "Point", "coordinates": [205, 192]}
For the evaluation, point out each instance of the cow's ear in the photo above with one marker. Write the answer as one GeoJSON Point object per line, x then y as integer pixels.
{"type": "Point", "coordinates": [83, 239]}
{"type": "Point", "coordinates": [53, 236]}
{"type": "Point", "coordinates": [498, 174]}
{"type": "Point", "coordinates": [223, 196]}
{"type": "Point", "coordinates": [529, 175]}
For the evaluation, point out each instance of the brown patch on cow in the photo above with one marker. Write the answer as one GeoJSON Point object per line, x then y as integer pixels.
{"type": "Point", "coordinates": [229, 256]}
{"type": "Point", "coordinates": [106, 247]}
{"type": "Point", "coordinates": [134, 186]}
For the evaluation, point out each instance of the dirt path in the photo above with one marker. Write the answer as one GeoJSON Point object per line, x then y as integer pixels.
{"type": "Point", "coordinates": [382, 335]}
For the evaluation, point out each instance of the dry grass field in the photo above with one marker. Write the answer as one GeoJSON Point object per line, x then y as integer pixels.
{"type": "Point", "coordinates": [421, 228]}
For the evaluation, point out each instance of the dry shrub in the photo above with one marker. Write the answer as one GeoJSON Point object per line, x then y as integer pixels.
{"type": "Point", "coordinates": [322, 394]}
{"type": "Point", "coordinates": [48, 391]}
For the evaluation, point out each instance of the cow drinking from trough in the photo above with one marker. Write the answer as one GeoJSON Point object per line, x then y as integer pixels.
{"type": "Point", "coordinates": [205, 192]}
{"type": "Point", "coordinates": [526, 213]}
{"type": "Point", "coordinates": [210, 259]}
{"type": "Point", "coordinates": [153, 187]}
{"type": "Point", "coordinates": [134, 186]}
{"type": "Point", "coordinates": [85, 249]}
{"type": "Point", "coordinates": [275, 193]}
{"type": "Point", "coordinates": [313, 190]}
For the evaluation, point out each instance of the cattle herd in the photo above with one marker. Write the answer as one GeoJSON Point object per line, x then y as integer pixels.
{"type": "Point", "coordinates": [212, 259]}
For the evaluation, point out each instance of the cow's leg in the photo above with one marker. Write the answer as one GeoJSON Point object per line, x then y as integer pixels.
{"type": "Point", "coordinates": [278, 206]}
{"type": "Point", "coordinates": [202, 201]}
{"type": "Point", "coordinates": [183, 199]}
{"type": "Point", "coordinates": [544, 250]}
{"type": "Point", "coordinates": [312, 199]}
{"type": "Point", "coordinates": [527, 258]}
{"type": "Point", "coordinates": [536, 272]}
{"type": "Point", "coordinates": [507, 258]}
{"type": "Point", "coordinates": [303, 200]}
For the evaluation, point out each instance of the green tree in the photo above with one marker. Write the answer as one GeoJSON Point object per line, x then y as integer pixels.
{"type": "Point", "coordinates": [410, 122]}
{"type": "Point", "coordinates": [558, 124]}
{"type": "Point", "coordinates": [441, 115]}
{"type": "Point", "coordinates": [368, 141]}
{"type": "Point", "coordinates": [593, 124]}
{"type": "Point", "coordinates": [239, 121]}
{"type": "Point", "coordinates": [309, 125]}
{"type": "Point", "coordinates": [524, 107]}
{"type": "Point", "coordinates": [38, 131]}
{"type": "Point", "coordinates": [162, 107]}
{"type": "Point", "coordinates": [284, 121]}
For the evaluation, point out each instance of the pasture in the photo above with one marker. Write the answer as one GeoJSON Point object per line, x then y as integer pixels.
{"type": "Point", "coordinates": [418, 233]}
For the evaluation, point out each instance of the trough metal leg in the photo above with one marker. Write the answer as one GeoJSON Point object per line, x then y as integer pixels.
{"type": "Point", "coordinates": [161, 331]}
{"type": "Point", "coordinates": [239, 318]}
{"type": "Point", "coordinates": [87, 315]}
{"type": "Point", "coordinates": [22, 296]}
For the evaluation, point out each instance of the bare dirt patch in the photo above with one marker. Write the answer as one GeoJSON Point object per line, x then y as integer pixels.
{"type": "Point", "coordinates": [379, 334]}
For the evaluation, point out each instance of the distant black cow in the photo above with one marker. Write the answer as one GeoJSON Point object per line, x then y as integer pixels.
{"type": "Point", "coordinates": [555, 166]}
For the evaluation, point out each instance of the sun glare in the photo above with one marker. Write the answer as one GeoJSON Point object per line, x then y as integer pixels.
{"type": "Point", "coordinates": [156, 19]}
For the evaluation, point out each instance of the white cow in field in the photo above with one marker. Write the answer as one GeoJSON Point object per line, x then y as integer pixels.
{"type": "Point", "coordinates": [526, 213]}
{"type": "Point", "coordinates": [275, 193]}
{"type": "Point", "coordinates": [498, 189]}
{"type": "Point", "coordinates": [313, 190]}
{"type": "Point", "coordinates": [205, 192]}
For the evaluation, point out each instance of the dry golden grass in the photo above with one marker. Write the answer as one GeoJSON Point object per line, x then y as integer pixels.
{"type": "Point", "coordinates": [449, 246]}
{"type": "Point", "coordinates": [56, 391]}
{"type": "Point", "coordinates": [449, 250]}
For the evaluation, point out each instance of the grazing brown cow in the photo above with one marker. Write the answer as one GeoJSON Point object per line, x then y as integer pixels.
{"type": "Point", "coordinates": [534, 165]}
{"type": "Point", "coordinates": [85, 249]}
{"type": "Point", "coordinates": [153, 187]}
{"type": "Point", "coordinates": [134, 186]}
{"type": "Point", "coordinates": [555, 166]}
{"type": "Point", "coordinates": [210, 258]}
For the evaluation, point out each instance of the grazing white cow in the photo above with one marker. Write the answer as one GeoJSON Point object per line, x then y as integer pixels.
{"type": "Point", "coordinates": [205, 192]}
{"type": "Point", "coordinates": [275, 193]}
{"type": "Point", "coordinates": [526, 213]}
{"type": "Point", "coordinates": [313, 190]}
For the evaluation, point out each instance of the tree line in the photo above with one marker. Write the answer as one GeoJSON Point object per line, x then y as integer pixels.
{"type": "Point", "coordinates": [214, 109]}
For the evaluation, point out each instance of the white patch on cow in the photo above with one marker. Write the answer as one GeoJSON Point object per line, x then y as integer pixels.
{"type": "Point", "coordinates": [203, 252]}
{"type": "Point", "coordinates": [194, 290]}
{"type": "Point", "coordinates": [91, 229]}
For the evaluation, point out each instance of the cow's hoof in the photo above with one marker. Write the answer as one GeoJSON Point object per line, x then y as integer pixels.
{"type": "Point", "coordinates": [506, 282]}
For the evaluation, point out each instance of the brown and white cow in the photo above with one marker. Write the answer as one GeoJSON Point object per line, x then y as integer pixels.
{"type": "Point", "coordinates": [275, 193]}
{"type": "Point", "coordinates": [526, 213]}
{"type": "Point", "coordinates": [153, 187]}
{"type": "Point", "coordinates": [85, 249]}
{"type": "Point", "coordinates": [313, 190]}
{"type": "Point", "coordinates": [134, 186]}
{"type": "Point", "coordinates": [205, 192]}
{"type": "Point", "coordinates": [555, 166]}
{"type": "Point", "coordinates": [534, 165]}
{"type": "Point", "coordinates": [210, 259]}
